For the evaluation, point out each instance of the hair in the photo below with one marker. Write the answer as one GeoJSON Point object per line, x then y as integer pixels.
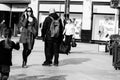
{"type": "Point", "coordinates": [30, 10]}
{"type": "Point", "coordinates": [51, 10]}
{"type": "Point", "coordinates": [8, 35]}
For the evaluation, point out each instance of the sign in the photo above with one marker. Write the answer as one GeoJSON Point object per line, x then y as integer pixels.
{"type": "Point", "coordinates": [19, 7]}
{"type": "Point", "coordinates": [15, 1]}
{"type": "Point", "coordinates": [103, 27]}
{"type": "Point", "coordinates": [115, 3]}
{"type": "Point", "coordinates": [101, 48]}
{"type": "Point", "coordinates": [4, 7]}
{"type": "Point", "coordinates": [106, 28]}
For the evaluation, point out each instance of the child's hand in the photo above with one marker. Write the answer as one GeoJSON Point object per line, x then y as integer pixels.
{"type": "Point", "coordinates": [17, 42]}
{"type": "Point", "coordinates": [21, 29]}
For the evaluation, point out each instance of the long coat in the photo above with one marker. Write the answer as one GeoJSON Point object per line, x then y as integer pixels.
{"type": "Point", "coordinates": [29, 31]}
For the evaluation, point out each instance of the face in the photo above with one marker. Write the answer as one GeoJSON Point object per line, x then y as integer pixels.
{"type": "Point", "coordinates": [68, 21]}
{"type": "Point", "coordinates": [29, 12]}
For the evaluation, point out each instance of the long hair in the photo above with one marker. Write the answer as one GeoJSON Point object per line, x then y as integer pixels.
{"type": "Point", "coordinates": [22, 18]}
{"type": "Point", "coordinates": [30, 11]}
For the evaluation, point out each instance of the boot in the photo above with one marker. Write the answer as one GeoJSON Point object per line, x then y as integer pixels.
{"type": "Point", "coordinates": [23, 64]}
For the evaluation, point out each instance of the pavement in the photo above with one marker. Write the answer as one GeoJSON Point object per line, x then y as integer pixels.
{"type": "Point", "coordinates": [85, 62]}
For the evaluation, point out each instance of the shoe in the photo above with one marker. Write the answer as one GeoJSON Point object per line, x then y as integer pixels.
{"type": "Point", "coordinates": [46, 64]}
{"type": "Point", "coordinates": [55, 64]}
{"type": "Point", "coordinates": [4, 78]}
{"type": "Point", "coordinates": [50, 62]}
{"type": "Point", "coordinates": [66, 53]}
{"type": "Point", "coordinates": [24, 65]}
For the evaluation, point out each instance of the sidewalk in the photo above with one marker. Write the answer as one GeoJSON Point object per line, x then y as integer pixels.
{"type": "Point", "coordinates": [84, 63]}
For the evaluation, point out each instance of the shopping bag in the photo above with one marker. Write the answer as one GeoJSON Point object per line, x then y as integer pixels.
{"type": "Point", "coordinates": [63, 48]}
{"type": "Point", "coordinates": [73, 43]}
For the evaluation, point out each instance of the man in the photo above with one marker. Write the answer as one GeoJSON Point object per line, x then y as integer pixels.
{"type": "Point", "coordinates": [51, 43]}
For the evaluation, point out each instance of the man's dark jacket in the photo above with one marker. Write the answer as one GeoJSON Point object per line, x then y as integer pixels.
{"type": "Point", "coordinates": [46, 28]}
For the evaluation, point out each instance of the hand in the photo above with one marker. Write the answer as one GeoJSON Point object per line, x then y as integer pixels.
{"type": "Point", "coordinates": [43, 38]}
{"type": "Point", "coordinates": [30, 19]}
{"type": "Point", "coordinates": [25, 15]}
{"type": "Point", "coordinates": [63, 33]}
{"type": "Point", "coordinates": [21, 29]}
{"type": "Point", "coordinates": [17, 42]}
{"type": "Point", "coordinates": [63, 38]}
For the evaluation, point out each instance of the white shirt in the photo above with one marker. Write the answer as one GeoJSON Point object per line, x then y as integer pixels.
{"type": "Point", "coordinates": [69, 29]}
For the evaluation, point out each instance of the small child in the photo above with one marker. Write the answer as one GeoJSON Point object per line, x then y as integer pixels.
{"type": "Point", "coordinates": [6, 47]}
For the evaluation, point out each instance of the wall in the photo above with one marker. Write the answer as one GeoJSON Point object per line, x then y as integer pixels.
{"type": "Point", "coordinates": [34, 5]}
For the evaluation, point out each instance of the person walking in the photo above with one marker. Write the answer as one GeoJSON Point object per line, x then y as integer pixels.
{"type": "Point", "coordinates": [52, 43]}
{"type": "Point", "coordinates": [6, 47]}
{"type": "Point", "coordinates": [69, 32]}
{"type": "Point", "coordinates": [29, 31]}
{"type": "Point", "coordinates": [2, 28]}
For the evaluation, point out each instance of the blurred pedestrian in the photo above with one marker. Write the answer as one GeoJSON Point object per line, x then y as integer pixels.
{"type": "Point", "coordinates": [2, 28]}
{"type": "Point", "coordinates": [29, 31]}
{"type": "Point", "coordinates": [69, 32]}
{"type": "Point", "coordinates": [6, 47]}
{"type": "Point", "coordinates": [52, 43]}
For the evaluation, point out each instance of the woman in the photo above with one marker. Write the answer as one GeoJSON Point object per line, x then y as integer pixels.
{"type": "Point", "coordinates": [69, 31]}
{"type": "Point", "coordinates": [29, 31]}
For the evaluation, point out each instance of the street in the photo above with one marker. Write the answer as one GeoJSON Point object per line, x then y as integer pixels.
{"type": "Point", "coordinates": [84, 62]}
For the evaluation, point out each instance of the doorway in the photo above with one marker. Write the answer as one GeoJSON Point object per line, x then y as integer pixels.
{"type": "Point", "coordinates": [15, 23]}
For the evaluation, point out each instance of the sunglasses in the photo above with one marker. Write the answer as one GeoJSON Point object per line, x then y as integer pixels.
{"type": "Point", "coordinates": [28, 11]}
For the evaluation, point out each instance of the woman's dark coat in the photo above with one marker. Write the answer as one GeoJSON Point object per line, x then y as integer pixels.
{"type": "Point", "coordinates": [29, 31]}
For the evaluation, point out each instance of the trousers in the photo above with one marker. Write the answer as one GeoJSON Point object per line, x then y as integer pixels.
{"type": "Point", "coordinates": [51, 51]}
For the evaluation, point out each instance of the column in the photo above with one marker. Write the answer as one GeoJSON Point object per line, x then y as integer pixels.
{"type": "Point", "coordinates": [87, 13]}
{"type": "Point", "coordinates": [67, 8]}
{"type": "Point", "coordinates": [34, 5]}
{"type": "Point", "coordinates": [117, 23]}
{"type": "Point", "coordinates": [86, 31]}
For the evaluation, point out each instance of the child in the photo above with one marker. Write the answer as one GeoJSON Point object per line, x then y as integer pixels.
{"type": "Point", "coordinates": [6, 47]}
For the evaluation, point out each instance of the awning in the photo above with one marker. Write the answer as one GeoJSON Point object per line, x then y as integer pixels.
{"type": "Point", "coordinates": [15, 1]}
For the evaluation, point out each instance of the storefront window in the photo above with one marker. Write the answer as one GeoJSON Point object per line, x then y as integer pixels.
{"type": "Point", "coordinates": [103, 27]}
{"type": "Point", "coordinates": [103, 22]}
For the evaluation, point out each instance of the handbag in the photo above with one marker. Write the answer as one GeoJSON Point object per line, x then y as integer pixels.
{"type": "Point", "coordinates": [63, 48]}
{"type": "Point", "coordinates": [73, 44]}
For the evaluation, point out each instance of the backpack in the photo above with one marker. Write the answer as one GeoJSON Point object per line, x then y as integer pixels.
{"type": "Point", "coordinates": [54, 27]}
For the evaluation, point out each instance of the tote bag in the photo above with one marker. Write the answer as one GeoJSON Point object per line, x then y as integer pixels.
{"type": "Point", "coordinates": [63, 48]}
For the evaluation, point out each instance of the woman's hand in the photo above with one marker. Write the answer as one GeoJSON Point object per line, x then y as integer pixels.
{"type": "Point", "coordinates": [30, 19]}
{"type": "Point", "coordinates": [25, 13]}
{"type": "Point", "coordinates": [21, 29]}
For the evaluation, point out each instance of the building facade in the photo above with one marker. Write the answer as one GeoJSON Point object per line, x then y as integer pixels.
{"type": "Point", "coordinates": [11, 10]}
{"type": "Point", "coordinates": [96, 20]}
